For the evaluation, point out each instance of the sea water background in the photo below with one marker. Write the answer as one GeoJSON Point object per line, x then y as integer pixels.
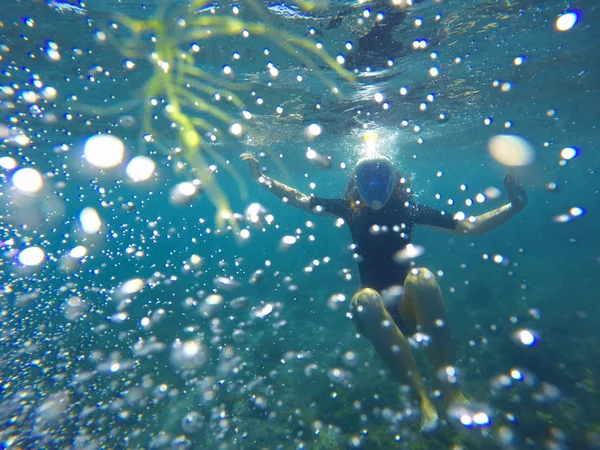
{"type": "Point", "coordinates": [287, 370]}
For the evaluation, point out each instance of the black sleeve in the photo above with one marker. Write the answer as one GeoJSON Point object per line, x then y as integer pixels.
{"type": "Point", "coordinates": [426, 215]}
{"type": "Point", "coordinates": [333, 206]}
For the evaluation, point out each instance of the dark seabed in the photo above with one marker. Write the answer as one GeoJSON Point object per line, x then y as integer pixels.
{"type": "Point", "coordinates": [154, 296]}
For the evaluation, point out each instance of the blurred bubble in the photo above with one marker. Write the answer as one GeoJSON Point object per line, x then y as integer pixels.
{"type": "Point", "coordinates": [29, 97]}
{"type": "Point", "coordinates": [470, 415]}
{"type": "Point", "coordinates": [214, 299]}
{"type": "Point", "coordinates": [338, 375]}
{"type": "Point", "coordinates": [314, 130]}
{"type": "Point", "coordinates": [577, 211]}
{"type": "Point", "coordinates": [228, 362]}
{"type": "Point", "coordinates": [196, 260]}
{"type": "Point", "coordinates": [27, 180]}
{"type": "Point", "coordinates": [6, 91]}
{"type": "Point", "coordinates": [448, 375]}
{"type": "Point", "coordinates": [156, 317]}
{"type": "Point", "coordinates": [25, 299]}
{"type": "Point", "coordinates": [211, 304]}
{"type": "Point", "coordinates": [264, 311]}
{"type": "Point", "coordinates": [480, 198]}
{"type": "Point", "coordinates": [310, 369]}
{"type": "Point", "coordinates": [257, 276]}
{"type": "Point", "coordinates": [506, 437]}
{"type": "Point", "coordinates": [49, 93]}
{"type": "Point", "coordinates": [161, 440]}
{"type": "Point", "coordinates": [40, 211]}
{"type": "Point", "coordinates": [188, 356]}
{"type": "Point", "coordinates": [499, 259]}
{"type": "Point", "coordinates": [131, 286]}
{"type": "Point", "coordinates": [523, 376]}
{"type": "Point", "coordinates": [192, 422]}
{"type": "Point", "coordinates": [525, 337]}
{"type": "Point", "coordinates": [336, 300]}
{"type": "Point", "coordinates": [127, 121]}
{"type": "Point", "coordinates": [259, 402]}
{"type": "Point", "coordinates": [228, 284]}
{"type": "Point", "coordinates": [20, 139]}
{"type": "Point", "coordinates": [183, 193]}
{"type": "Point", "coordinates": [547, 393]}
{"type": "Point", "coordinates": [566, 21]}
{"type": "Point", "coordinates": [6, 162]}
{"type": "Point", "coordinates": [78, 252]}
{"type": "Point", "coordinates": [511, 150]}
{"type": "Point", "coordinates": [236, 129]}
{"type": "Point", "coordinates": [314, 156]}
{"type": "Point", "coordinates": [74, 308]}
{"type": "Point", "coordinates": [119, 317]}
{"type": "Point", "coordinates": [392, 295]}
{"type": "Point", "coordinates": [239, 336]}
{"type": "Point", "coordinates": [181, 443]}
{"type": "Point", "coordinates": [562, 218]}
{"type": "Point", "coordinates": [104, 151]}
{"type": "Point", "coordinates": [32, 256]}
{"type": "Point", "coordinates": [569, 153]}
{"type": "Point", "coordinates": [145, 347]}
{"type": "Point", "coordinates": [53, 54]}
{"type": "Point", "coordinates": [140, 168]}
{"type": "Point", "coordinates": [500, 383]}
{"type": "Point", "coordinates": [239, 302]}
{"type": "Point", "coordinates": [419, 340]}
{"type": "Point", "coordinates": [350, 359]}
{"type": "Point", "coordinates": [287, 241]}
{"type": "Point", "coordinates": [6, 105]}
{"type": "Point", "coordinates": [90, 220]}
{"type": "Point", "coordinates": [408, 253]}
{"type": "Point", "coordinates": [53, 409]}
{"type": "Point", "coordinates": [255, 214]}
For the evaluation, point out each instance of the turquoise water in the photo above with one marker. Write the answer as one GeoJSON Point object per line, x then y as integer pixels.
{"type": "Point", "coordinates": [117, 328]}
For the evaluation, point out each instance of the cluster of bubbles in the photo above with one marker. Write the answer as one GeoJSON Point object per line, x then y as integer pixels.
{"type": "Point", "coordinates": [122, 330]}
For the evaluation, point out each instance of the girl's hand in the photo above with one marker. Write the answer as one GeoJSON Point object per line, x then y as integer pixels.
{"type": "Point", "coordinates": [515, 190]}
{"type": "Point", "coordinates": [253, 163]}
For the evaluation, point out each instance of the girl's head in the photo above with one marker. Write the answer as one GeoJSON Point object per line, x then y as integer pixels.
{"type": "Point", "coordinates": [375, 180]}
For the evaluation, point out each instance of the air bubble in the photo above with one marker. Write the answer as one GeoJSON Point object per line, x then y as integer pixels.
{"type": "Point", "coordinates": [27, 180]}
{"type": "Point", "coordinates": [104, 151]}
{"type": "Point", "coordinates": [31, 256]}
{"type": "Point", "coordinates": [511, 150]}
{"type": "Point", "coordinates": [188, 356]}
{"type": "Point", "coordinates": [566, 21]}
{"type": "Point", "coordinates": [140, 168]}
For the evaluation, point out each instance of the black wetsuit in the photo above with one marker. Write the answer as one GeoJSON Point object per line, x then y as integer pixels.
{"type": "Point", "coordinates": [379, 235]}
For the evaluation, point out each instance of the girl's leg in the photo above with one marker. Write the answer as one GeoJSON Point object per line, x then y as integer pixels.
{"type": "Point", "coordinates": [374, 322]}
{"type": "Point", "coordinates": [423, 306]}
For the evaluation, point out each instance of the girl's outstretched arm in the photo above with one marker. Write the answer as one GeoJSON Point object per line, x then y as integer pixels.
{"type": "Point", "coordinates": [287, 194]}
{"type": "Point", "coordinates": [493, 219]}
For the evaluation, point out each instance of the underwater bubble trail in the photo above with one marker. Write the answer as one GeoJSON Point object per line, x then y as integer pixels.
{"type": "Point", "coordinates": [130, 319]}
